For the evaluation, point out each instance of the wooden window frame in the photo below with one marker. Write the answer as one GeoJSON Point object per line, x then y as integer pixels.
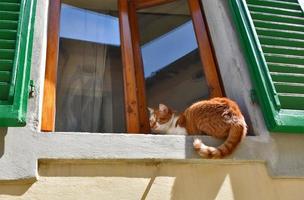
{"type": "Point", "coordinates": [50, 80]}
{"type": "Point", "coordinates": [133, 72]}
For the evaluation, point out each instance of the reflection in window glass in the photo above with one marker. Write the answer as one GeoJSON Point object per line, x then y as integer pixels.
{"type": "Point", "coordinates": [90, 80]}
{"type": "Point", "coordinates": [173, 71]}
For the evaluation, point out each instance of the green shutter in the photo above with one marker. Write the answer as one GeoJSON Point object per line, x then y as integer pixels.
{"type": "Point", "coordinates": [272, 33]}
{"type": "Point", "coordinates": [16, 40]}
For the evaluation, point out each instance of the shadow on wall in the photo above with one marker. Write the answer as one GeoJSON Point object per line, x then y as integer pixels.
{"type": "Point", "coordinates": [14, 188]}
{"type": "Point", "coordinates": [130, 179]}
{"type": "Point", "coordinates": [3, 132]}
{"type": "Point", "coordinates": [159, 180]}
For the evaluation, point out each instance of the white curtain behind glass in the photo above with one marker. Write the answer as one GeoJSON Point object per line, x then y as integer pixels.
{"type": "Point", "coordinates": [82, 87]}
{"type": "Point", "coordinates": [89, 83]}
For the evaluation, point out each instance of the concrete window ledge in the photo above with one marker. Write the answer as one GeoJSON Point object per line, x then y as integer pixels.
{"type": "Point", "coordinates": [21, 149]}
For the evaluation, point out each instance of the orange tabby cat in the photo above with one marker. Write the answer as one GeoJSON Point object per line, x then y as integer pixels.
{"type": "Point", "coordinates": [217, 117]}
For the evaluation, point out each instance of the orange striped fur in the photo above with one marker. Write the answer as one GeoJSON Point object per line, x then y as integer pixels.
{"type": "Point", "coordinates": [217, 117]}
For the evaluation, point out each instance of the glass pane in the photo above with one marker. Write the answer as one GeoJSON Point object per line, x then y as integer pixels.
{"type": "Point", "coordinates": [90, 81]}
{"type": "Point", "coordinates": [173, 70]}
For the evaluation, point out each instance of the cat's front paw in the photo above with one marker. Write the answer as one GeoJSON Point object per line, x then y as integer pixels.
{"type": "Point", "coordinates": [197, 143]}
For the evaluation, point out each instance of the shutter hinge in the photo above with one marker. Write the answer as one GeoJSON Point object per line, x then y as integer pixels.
{"type": "Point", "coordinates": [31, 89]}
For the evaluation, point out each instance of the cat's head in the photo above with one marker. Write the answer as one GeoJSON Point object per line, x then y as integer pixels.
{"type": "Point", "coordinates": [160, 119]}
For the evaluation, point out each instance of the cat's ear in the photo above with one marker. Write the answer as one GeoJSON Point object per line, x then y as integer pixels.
{"type": "Point", "coordinates": [163, 108]}
{"type": "Point", "coordinates": [151, 110]}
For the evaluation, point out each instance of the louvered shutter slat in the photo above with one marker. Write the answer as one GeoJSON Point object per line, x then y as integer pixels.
{"type": "Point", "coordinates": [293, 5]}
{"type": "Point", "coordinates": [283, 50]}
{"type": "Point", "coordinates": [4, 88]}
{"type": "Point", "coordinates": [293, 88]}
{"type": "Point", "coordinates": [11, 1]}
{"type": "Point", "coordinates": [6, 64]}
{"type": "Point", "coordinates": [288, 68]}
{"type": "Point", "coordinates": [278, 25]}
{"type": "Point", "coordinates": [5, 76]}
{"type": "Point", "coordinates": [280, 41]}
{"type": "Point", "coordinates": [7, 54]}
{"type": "Point", "coordinates": [294, 101]}
{"type": "Point", "coordinates": [8, 25]}
{"type": "Point", "coordinates": [282, 58]}
{"type": "Point", "coordinates": [280, 11]}
{"type": "Point", "coordinates": [6, 6]}
{"type": "Point", "coordinates": [9, 15]}
{"type": "Point", "coordinates": [281, 33]}
{"type": "Point", "coordinates": [7, 44]}
{"type": "Point", "coordinates": [277, 17]}
{"type": "Point", "coordinates": [287, 77]}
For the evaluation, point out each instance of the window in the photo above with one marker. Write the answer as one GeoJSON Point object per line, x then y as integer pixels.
{"type": "Point", "coordinates": [16, 40]}
{"type": "Point", "coordinates": [89, 78]}
{"type": "Point", "coordinates": [103, 83]}
{"type": "Point", "coordinates": [170, 55]}
{"type": "Point", "coordinates": [272, 34]}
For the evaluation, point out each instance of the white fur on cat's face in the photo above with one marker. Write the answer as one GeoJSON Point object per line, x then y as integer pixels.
{"type": "Point", "coordinates": [166, 125]}
{"type": "Point", "coordinates": [156, 125]}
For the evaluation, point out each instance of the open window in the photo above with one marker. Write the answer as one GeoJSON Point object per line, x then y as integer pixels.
{"type": "Point", "coordinates": [108, 60]}
{"type": "Point", "coordinates": [89, 92]}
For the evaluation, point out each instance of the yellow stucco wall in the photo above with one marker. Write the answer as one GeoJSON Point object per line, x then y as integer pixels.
{"type": "Point", "coordinates": [154, 180]}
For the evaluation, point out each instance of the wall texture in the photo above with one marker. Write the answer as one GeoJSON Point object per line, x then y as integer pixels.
{"type": "Point", "coordinates": [153, 180]}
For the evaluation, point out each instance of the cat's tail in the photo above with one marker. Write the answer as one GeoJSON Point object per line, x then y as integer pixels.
{"type": "Point", "coordinates": [236, 133]}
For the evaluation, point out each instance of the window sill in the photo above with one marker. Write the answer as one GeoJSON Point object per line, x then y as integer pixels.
{"type": "Point", "coordinates": [273, 149]}
{"type": "Point", "coordinates": [137, 146]}
{"type": "Point", "coordinates": [22, 149]}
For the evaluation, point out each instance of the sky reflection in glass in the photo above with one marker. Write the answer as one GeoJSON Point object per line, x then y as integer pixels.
{"type": "Point", "coordinates": [85, 25]}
